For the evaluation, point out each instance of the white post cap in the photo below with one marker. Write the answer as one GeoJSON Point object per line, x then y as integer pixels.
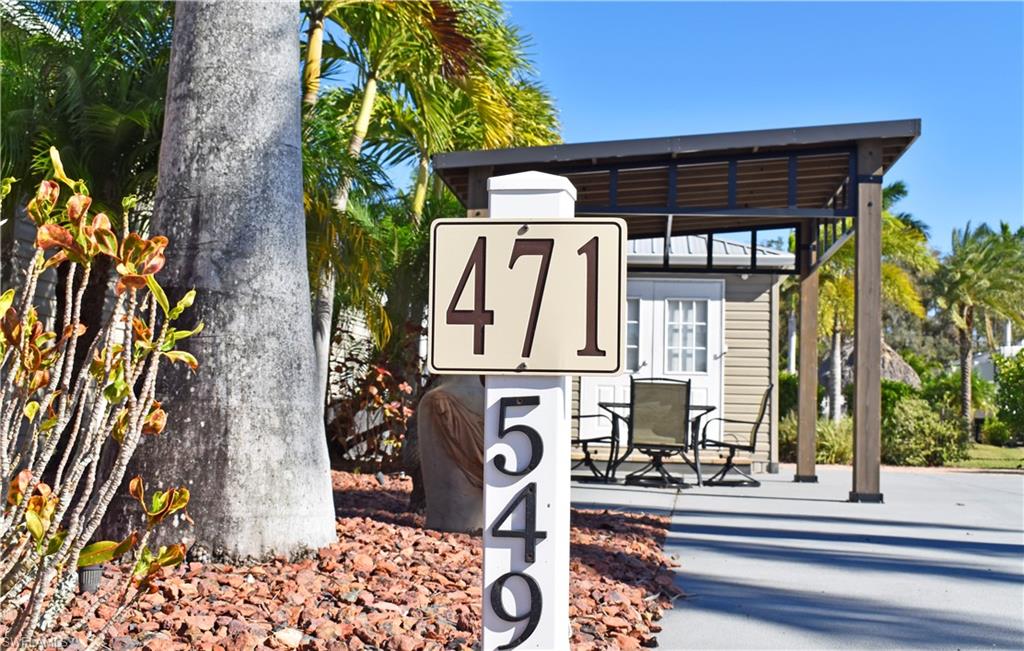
{"type": "Point", "coordinates": [531, 195]}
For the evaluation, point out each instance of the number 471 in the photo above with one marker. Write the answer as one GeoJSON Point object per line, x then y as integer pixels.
{"type": "Point", "coordinates": [480, 316]}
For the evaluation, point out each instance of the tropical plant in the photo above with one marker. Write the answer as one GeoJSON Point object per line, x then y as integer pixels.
{"type": "Point", "coordinates": [834, 440]}
{"type": "Point", "coordinates": [384, 41]}
{"type": "Point", "coordinates": [905, 256]}
{"type": "Point", "coordinates": [980, 279]}
{"type": "Point", "coordinates": [1010, 392]}
{"type": "Point", "coordinates": [88, 78]}
{"type": "Point", "coordinates": [996, 432]}
{"type": "Point", "coordinates": [942, 391]}
{"type": "Point", "coordinates": [914, 434]}
{"type": "Point", "coordinates": [78, 427]}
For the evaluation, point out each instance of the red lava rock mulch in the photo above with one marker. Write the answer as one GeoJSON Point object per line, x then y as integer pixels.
{"type": "Point", "coordinates": [388, 583]}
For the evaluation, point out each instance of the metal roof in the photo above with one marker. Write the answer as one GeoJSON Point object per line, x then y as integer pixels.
{"type": "Point", "coordinates": [692, 250]}
{"type": "Point", "coordinates": [742, 181]}
{"type": "Point", "coordinates": [901, 133]}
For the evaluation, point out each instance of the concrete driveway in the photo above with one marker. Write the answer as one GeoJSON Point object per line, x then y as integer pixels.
{"type": "Point", "coordinates": [940, 564]}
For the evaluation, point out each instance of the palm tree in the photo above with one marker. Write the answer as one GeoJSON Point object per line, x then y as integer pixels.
{"type": "Point", "coordinates": [251, 442]}
{"type": "Point", "coordinates": [384, 39]}
{"type": "Point", "coordinates": [905, 255]}
{"type": "Point", "coordinates": [981, 278]}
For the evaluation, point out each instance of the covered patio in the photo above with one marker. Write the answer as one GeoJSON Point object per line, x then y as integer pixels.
{"type": "Point", "coordinates": [822, 184]}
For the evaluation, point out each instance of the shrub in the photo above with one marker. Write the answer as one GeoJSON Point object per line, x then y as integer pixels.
{"type": "Point", "coordinates": [892, 393]}
{"type": "Point", "coordinates": [787, 438]}
{"type": "Point", "coordinates": [77, 425]}
{"type": "Point", "coordinates": [996, 432]}
{"type": "Point", "coordinates": [942, 392]}
{"type": "Point", "coordinates": [1010, 392]}
{"type": "Point", "coordinates": [368, 425]}
{"type": "Point", "coordinates": [914, 434]}
{"type": "Point", "coordinates": [788, 392]}
{"type": "Point", "coordinates": [835, 440]}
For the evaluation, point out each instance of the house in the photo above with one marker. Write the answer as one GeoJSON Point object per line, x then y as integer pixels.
{"type": "Point", "coordinates": [719, 330]}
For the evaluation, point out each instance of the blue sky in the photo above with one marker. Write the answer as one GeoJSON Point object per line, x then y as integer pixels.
{"type": "Point", "coordinates": [634, 70]}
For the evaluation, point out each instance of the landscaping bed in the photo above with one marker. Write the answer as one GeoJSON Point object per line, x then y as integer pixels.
{"type": "Point", "coordinates": [388, 583]}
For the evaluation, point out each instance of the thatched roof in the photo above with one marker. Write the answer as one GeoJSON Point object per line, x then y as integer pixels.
{"type": "Point", "coordinates": [894, 367]}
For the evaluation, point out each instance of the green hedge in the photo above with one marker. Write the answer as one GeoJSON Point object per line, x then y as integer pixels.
{"type": "Point", "coordinates": [913, 434]}
{"type": "Point", "coordinates": [1010, 393]}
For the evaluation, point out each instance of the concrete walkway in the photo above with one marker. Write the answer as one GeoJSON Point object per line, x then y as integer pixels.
{"type": "Point", "coordinates": [786, 566]}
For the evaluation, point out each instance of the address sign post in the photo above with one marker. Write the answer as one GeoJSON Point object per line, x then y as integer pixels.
{"type": "Point", "coordinates": [527, 298]}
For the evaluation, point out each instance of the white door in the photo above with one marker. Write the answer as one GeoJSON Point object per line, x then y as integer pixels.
{"type": "Point", "coordinates": [673, 330]}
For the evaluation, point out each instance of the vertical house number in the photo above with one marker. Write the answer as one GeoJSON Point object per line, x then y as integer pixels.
{"type": "Point", "coordinates": [529, 534]}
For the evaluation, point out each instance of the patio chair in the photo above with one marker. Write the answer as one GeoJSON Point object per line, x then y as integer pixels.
{"type": "Point", "coordinates": [750, 445]}
{"type": "Point", "coordinates": [659, 426]}
{"type": "Point", "coordinates": [597, 475]}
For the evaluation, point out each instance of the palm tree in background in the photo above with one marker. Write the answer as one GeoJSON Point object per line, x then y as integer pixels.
{"type": "Point", "coordinates": [981, 279]}
{"type": "Point", "coordinates": [431, 77]}
{"type": "Point", "coordinates": [905, 257]}
{"type": "Point", "coordinates": [383, 40]}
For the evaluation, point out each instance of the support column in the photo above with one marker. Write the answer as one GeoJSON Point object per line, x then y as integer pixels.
{"type": "Point", "coordinates": [807, 394]}
{"type": "Point", "coordinates": [867, 338]}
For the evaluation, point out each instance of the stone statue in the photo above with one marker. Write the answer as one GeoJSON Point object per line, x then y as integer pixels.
{"type": "Point", "coordinates": [450, 428]}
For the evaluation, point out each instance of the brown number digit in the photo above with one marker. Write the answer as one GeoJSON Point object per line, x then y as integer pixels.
{"type": "Point", "coordinates": [542, 248]}
{"type": "Point", "coordinates": [479, 316]}
{"type": "Point", "coordinates": [590, 251]}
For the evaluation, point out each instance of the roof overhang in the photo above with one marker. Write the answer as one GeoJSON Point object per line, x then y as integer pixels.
{"type": "Point", "coordinates": [897, 134]}
{"type": "Point", "coordinates": [707, 183]}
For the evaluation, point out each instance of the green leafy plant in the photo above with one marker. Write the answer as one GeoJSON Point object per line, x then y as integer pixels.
{"type": "Point", "coordinates": [996, 432]}
{"type": "Point", "coordinates": [892, 393]}
{"type": "Point", "coordinates": [943, 393]}
{"type": "Point", "coordinates": [1010, 392]}
{"type": "Point", "coordinates": [834, 444]}
{"type": "Point", "coordinates": [914, 434]}
{"type": "Point", "coordinates": [788, 392]}
{"type": "Point", "coordinates": [77, 425]}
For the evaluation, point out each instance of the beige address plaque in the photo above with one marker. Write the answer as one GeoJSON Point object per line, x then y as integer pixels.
{"type": "Point", "coordinates": [534, 297]}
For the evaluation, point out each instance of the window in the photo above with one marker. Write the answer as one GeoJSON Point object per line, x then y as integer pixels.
{"type": "Point", "coordinates": [632, 334]}
{"type": "Point", "coordinates": [686, 336]}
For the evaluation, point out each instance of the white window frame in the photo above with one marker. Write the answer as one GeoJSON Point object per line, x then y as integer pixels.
{"type": "Point", "coordinates": [684, 346]}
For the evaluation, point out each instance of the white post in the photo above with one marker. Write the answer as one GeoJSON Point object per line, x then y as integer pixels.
{"type": "Point", "coordinates": [545, 409]}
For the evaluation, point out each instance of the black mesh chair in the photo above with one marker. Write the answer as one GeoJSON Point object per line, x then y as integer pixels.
{"type": "Point", "coordinates": [659, 426]}
{"type": "Point", "coordinates": [750, 445]}
{"type": "Point", "coordinates": [611, 440]}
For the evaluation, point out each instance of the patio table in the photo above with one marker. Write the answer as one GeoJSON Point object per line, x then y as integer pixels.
{"type": "Point", "coordinates": [615, 409]}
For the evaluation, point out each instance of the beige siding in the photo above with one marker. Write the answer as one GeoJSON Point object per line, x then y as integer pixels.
{"type": "Point", "coordinates": [751, 319]}
{"type": "Point", "coordinates": [749, 326]}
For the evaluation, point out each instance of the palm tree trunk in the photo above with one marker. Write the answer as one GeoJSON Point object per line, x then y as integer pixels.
{"type": "Point", "coordinates": [246, 436]}
{"type": "Point", "coordinates": [791, 332]}
{"type": "Point", "coordinates": [314, 54]}
{"type": "Point", "coordinates": [419, 195]}
{"type": "Point", "coordinates": [836, 374]}
{"type": "Point", "coordinates": [966, 370]}
{"type": "Point", "coordinates": [323, 309]}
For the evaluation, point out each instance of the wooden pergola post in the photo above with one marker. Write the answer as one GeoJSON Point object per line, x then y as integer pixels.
{"type": "Point", "coordinates": [867, 400]}
{"type": "Point", "coordinates": [807, 393]}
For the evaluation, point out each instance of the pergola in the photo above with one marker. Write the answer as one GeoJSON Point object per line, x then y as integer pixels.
{"type": "Point", "coordinates": [823, 182]}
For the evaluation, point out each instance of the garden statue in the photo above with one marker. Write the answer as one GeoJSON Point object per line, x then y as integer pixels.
{"type": "Point", "coordinates": [450, 426]}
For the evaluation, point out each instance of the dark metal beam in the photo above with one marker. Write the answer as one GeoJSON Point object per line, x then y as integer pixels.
{"type": "Point", "coordinates": [807, 137]}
